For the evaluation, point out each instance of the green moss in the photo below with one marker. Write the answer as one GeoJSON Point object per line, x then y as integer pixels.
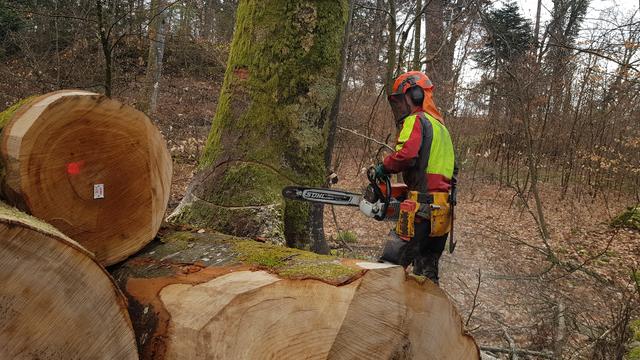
{"type": "Point", "coordinates": [630, 218]}
{"type": "Point", "coordinates": [248, 184]}
{"type": "Point", "coordinates": [296, 217]}
{"type": "Point", "coordinates": [347, 236]}
{"type": "Point", "coordinates": [634, 326]}
{"type": "Point", "coordinates": [272, 256]}
{"type": "Point", "coordinates": [293, 263]}
{"type": "Point", "coordinates": [178, 236]}
{"type": "Point", "coordinates": [178, 240]}
{"type": "Point", "coordinates": [633, 354]}
{"type": "Point", "coordinates": [6, 115]}
{"type": "Point", "coordinates": [326, 271]}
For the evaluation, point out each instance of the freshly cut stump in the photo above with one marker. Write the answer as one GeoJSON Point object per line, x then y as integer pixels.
{"type": "Point", "coordinates": [210, 296]}
{"type": "Point", "coordinates": [97, 170]}
{"type": "Point", "coordinates": [56, 301]}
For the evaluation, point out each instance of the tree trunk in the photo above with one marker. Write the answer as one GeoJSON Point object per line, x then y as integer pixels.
{"type": "Point", "coordinates": [272, 122]}
{"type": "Point", "coordinates": [318, 241]}
{"type": "Point", "coordinates": [56, 301]}
{"type": "Point", "coordinates": [441, 43]}
{"type": "Point", "coordinates": [149, 96]}
{"type": "Point", "coordinates": [103, 35]}
{"type": "Point", "coordinates": [247, 300]}
{"type": "Point", "coordinates": [391, 47]}
{"type": "Point", "coordinates": [96, 169]}
{"type": "Point", "coordinates": [417, 63]}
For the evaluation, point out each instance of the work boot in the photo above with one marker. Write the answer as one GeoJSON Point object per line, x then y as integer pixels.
{"type": "Point", "coordinates": [427, 265]}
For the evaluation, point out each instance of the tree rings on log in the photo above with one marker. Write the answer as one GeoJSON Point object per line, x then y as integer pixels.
{"type": "Point", "coordinates": [97, 170]}
{"type": "Point", "coordinates": [56, 301]}
{"type": "Point", "coordinates": [211, 296]}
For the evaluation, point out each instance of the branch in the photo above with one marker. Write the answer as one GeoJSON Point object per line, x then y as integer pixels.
{"type": "Point", "coordinates": [594, 52]}
{"type": "Point", "coordinates": [545, 355]}
{"type": "Point", "coordinates": [70, 17]}
{"type": "Point", "coordinates": [373, 8]}
{"type": "Point", "coordinates": [474, 305]}
{"type": "Point", "coordinates": [512, 344]}
{"type": "Point", "coordinates": [366, 137]}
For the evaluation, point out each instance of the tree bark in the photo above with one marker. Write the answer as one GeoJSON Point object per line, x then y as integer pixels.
{"type": "Point", "coordinates": [272, 122]}
{"type": "Point", "coordinates": [417, 54]}
{"type": "Point", "coordinates": [246, 300]}
{"type": "Point", "coordinates": [106, 48]}
{"type": "Point", "coordinates": [391, 47]}
{"type": "Point", "coordinates": [318, 241]}
{"type": "Point", "coordinates": [96, 169]}
{"type": "Point", "coordinates": [149, 96]}
{"type": "Point", "coordinates": [441, 43]}
{"type": "Point", "coordinates": [56, 301]}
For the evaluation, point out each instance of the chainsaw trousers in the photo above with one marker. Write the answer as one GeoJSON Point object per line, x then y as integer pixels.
{"type": "Point", "coordinates": [424, 252]}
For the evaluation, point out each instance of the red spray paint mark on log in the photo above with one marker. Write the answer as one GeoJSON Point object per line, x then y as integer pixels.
{"type": "Point", "coordinates": [74, 168]}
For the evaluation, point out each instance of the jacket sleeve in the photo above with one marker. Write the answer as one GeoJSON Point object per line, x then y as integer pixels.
{"type": "Point", "coordinates": [407, 147]}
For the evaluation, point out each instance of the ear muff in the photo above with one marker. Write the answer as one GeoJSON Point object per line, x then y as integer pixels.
{"type": "Point", "coordinates": [417, 95]}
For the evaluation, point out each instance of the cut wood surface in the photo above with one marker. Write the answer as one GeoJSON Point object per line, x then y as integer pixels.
{"type": "Point", "coordinates": [56, 301]}
{"type": "Point", "coordinates": [95, 169]}
{"type": "Point", "coordinates": [211, 296]}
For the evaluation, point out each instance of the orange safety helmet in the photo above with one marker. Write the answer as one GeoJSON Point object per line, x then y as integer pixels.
{"type": "Point", "coordinates": [402, 85]}
{"type": "Point", "coordinates": [410, 79]}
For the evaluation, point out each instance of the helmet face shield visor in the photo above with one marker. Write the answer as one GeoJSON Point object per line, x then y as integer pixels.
{"type": "Point", "coordinates": [399, 106]}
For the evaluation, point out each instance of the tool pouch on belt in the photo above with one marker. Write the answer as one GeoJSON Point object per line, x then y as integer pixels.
{"type": "Point", "coordinates": [440, 214]}
{"type": "Point", "coordinates": [405, 228]}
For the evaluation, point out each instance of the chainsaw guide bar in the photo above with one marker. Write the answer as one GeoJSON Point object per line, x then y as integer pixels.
{"type": "Point", "coordinates": [325, 196]}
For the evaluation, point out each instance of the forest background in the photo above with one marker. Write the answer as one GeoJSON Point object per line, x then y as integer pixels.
{"type": "Point", "coordinates": [541, 98]}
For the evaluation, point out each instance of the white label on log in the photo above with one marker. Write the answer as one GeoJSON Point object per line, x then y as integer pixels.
{"type": "Point", "coordinates": [98, 191]}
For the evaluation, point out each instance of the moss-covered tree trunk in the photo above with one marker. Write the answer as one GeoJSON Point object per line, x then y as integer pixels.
{"type": "Point", "coordinates": [273, 121]}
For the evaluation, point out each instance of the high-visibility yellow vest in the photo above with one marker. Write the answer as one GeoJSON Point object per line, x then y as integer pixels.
{"type": "Point", "coordinates": [441, 153]}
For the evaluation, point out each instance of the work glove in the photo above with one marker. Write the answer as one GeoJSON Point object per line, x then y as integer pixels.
{"type": "Point", "coordinates": [380, 170]}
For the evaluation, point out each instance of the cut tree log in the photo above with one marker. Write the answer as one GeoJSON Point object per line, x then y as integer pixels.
{"type": "Point", "coordinates": [97, 170]}
{"type": "Point", "coordinates": [56, 301]}
{"type": "Point", "coordinates": [212, 296]}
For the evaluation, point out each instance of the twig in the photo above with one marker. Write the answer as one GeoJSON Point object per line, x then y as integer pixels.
{"type": "Point", "coordinates": [475, 298]}
{"type": "Point", "coordinates": [545, 355]}
{"type": "Point", "coordinates": [289, 257]}
{"type": "Point", "coordinates": [561, 329]}
{"type": "Point", "coordinates": [512, 344]}
{"type": "Point", "coordinates": [366, 137]}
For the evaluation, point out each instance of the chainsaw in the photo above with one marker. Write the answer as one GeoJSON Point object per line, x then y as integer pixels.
{"type": "Point", "coordinates": [381, 200]}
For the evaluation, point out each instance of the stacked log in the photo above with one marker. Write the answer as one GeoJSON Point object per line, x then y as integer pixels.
{"type": "Point", "coordinates": [201, 296]}
{"type": "Point", "coordinates": [56, 301]}
{"type": "Point", "coordinates": [97, 170]}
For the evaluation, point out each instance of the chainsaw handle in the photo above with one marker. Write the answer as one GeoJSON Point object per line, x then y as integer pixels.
{"type": "Point", "coordinates": [386, 198]}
